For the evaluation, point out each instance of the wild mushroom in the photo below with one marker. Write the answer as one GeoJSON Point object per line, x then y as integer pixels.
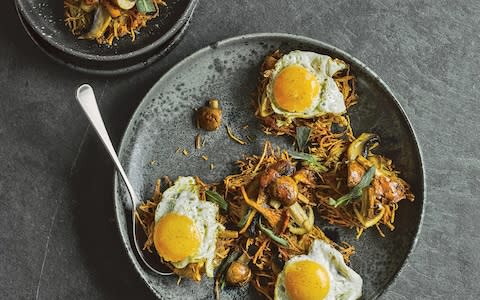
{"type": "Point", "coordinates": [125, 4]}
{"type": "Point", "coordinates": [304, 220]}
{"type": "Point", "coordinates": [365, 210]}
{"type": "Point", "coordinates": [274, 171]}
{"type": "Point", "coordinates": [361, 145]}
{"type": "Point", "coordinates": [285, 190]}
{"type": "Point", "coordinates": [358, 150]}
{"type": "Point", "coordinates": [209, 117]}
{"type": "Point", "coordinates": [238, 273]}
{"type": "Point", "coordinates": [101, 21]}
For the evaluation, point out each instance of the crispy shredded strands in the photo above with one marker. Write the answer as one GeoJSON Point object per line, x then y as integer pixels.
{"type": "Point", "coordinates": [233, 137]}
{"type": "Point", "coordinates": [123, 22]}
{"type": "Point", "coordinates": [237, 185]}
{"type": "Point", "coordinates": [257, 245]}
{"type": "Point", "coordinates": [329, 140]}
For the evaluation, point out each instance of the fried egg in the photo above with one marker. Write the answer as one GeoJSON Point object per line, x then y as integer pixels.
{"type": "Point", "coordinates": [301, 85]}
{"type": "Point", "coordinates": [185, 227]}
{"type": "Point", "coordinates": [322, 274]}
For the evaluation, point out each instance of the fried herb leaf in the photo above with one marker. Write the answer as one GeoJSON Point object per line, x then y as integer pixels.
{"type": "Point", "coordinates": [356, 191]}
{"type": "Point", "coordinates": [216, 198]}
{"type": "Point", "coordinates": [272, 235]}
{"type": "Point", "coordinates": [310, 159]}
{"type": "Point", "coordinates": [302, 135]}
{"type": "Point", "coordinates": [145, 6]}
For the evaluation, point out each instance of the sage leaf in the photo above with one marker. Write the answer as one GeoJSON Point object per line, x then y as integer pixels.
{"type": "Point", "coordinates": [356, 192]}
{"type": "Point", "coordinates": [216, 198]}
{"type": "Point", "coordinates": [302, 136]}
{"type": "Point", "coordinates": [145, 6]}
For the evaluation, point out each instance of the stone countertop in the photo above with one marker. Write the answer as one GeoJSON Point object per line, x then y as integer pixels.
{"type": "Point", "coordinates": [59, 242]}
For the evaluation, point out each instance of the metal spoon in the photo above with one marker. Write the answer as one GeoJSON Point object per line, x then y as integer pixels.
{"type": "Point", "coordinates": [86, 98]}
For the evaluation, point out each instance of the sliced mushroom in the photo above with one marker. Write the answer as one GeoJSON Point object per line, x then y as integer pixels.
{"type": "Point", "coordinates": [355, 173]}
{"type": "Point", "coordinates": [125, 4]}
{"type": "Point", "coordinates": [305, 176]}
{"type": "Point", "coordinates": [361, 145]}
{"type": "Point", "coordinates": [304, 220]}
{"type": "Point", "coordinates": [101, 21]}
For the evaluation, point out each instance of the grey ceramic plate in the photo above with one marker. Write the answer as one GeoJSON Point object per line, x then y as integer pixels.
{"type": "Point", "coordinates": [228, 70]}
{"type": "Point", "coordinates": [45, 17]}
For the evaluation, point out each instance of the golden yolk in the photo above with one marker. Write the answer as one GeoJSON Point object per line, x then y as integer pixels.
{"type": "Point", "coordinates": [305, 280]}
{"type": "Point", "coordinates": [295, 88]}
{"type": "Point", "coordinates": [175, 237]}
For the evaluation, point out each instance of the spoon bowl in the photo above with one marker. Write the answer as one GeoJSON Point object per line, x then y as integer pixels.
{"type": "Point", "coordinates": [86, 98]}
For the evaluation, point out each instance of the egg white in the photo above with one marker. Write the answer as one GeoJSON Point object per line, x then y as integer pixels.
{"type": "Point", "coordinates": [329, 99]}
{"type": "Point", "coordinates": [183, 198]}
{"type": "Point", "coordinates": [345, 283]}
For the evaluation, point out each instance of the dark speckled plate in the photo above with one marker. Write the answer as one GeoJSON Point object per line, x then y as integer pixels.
{"type": "Point", "coordinates": [106, 68]}
{"type": "Point", "coordinates": [46, 19]}
{"type": "Point", "coordinates": [228, 70]}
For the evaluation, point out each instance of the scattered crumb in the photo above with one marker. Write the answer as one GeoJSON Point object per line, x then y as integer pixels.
{"type": "Point", "coordinates": [198, 141]}
{"type": "Point", "coordinates": [251, 138]}
{"type": "Point", "coordinates": [212, 166]}
{"type": "Point", "coordinates": [178, 150]}
{"type": "Point", "coordinates": [167, 181]}
{"type": "Point", "coordinates": [185, 152]}
{"type": "Point", "coordinates": [245, 126]}
{"type": "Point", "coordinates": [204, 157]}
{"type": "Point", "coordinates": [153, 163]}
{"type": "Point", "coordinates": [233, 137]}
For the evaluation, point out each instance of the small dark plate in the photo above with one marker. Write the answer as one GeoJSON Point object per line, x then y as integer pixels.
{"type": "Point", "coordinates": [229, 71]}
{"type": "Point", "coordinates": [106, 68]}
{"type": "Point", "coordinates": [46, 19]}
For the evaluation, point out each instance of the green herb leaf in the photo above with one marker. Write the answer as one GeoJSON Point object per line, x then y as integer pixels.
{"type": "Point", "coordinates": [145, 6]}
{"type": "Point", "coordinates": [302, 135]}
{"type": "Point", "coordinates": [356, 191]}
{"type": "Point", "coordinates": [243, 220]}
{"type": "Point", "coordinates": [272, 235]}
{"type": "Point", "coordinates": [310, 159]}
{"type": "Point", "coordinates": [216, 198]}
{"type": "Point", "coordinates": [232, 256]}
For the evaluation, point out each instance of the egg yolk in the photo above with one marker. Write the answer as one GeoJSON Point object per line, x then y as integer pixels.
{"type": "Point", "coordinates": [295, 88]}
{"type": "Point", "coordinates": [175, 237]}
{"type": "Point", "coordinates": [305, 280]}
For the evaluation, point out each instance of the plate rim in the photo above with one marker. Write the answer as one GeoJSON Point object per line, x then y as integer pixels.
{"type": "Point", "coordinates": [298, 38]}
{"type": "Point", "coordinates": [192, 4]}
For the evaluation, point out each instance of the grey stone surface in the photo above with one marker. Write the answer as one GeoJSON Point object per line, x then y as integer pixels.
{"type": "Point", "coordinates": [57, 234]}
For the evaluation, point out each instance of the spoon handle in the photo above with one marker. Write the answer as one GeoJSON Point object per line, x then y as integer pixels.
{"type": "Point", "coordinates": [86, 98]}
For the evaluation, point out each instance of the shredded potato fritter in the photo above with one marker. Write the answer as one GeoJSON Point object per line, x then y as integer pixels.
{"type": "Point", "coordinates": [123, 22]}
